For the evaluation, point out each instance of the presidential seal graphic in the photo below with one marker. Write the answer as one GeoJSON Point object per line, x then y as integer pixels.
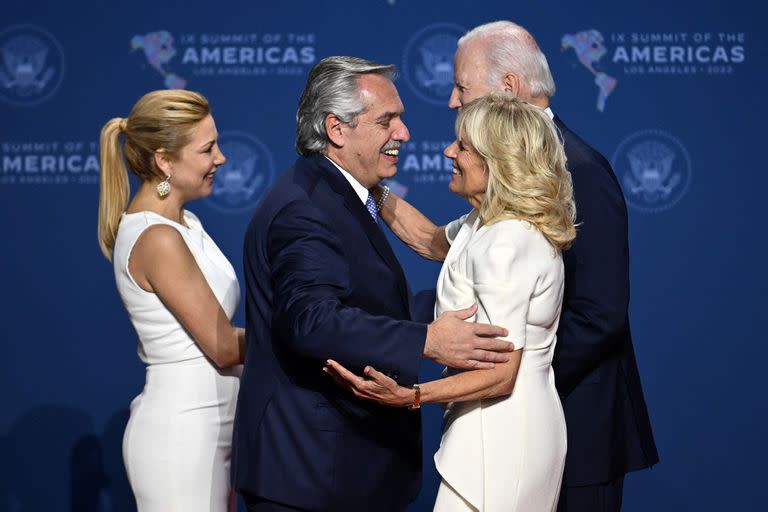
{"type": "Point", "coordinates": [428, 62]}
{"type": "Point", "coordinates": [249, 170]}
{"type": "Point", "coordinates": [31, 65]}
{"type": "Point", "coordinates": [654, 169]}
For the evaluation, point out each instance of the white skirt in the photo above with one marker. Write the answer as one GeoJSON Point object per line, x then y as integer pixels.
{"type": "Point", "coordinates": [178, 442]}
{"type": "Point", "coordinates": [505, 454]}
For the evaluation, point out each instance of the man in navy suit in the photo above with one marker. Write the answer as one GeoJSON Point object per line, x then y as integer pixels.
{"type": "Point", "coordinates": [609, 432]}
{"type": "Point", "coordinates": [322, 282]}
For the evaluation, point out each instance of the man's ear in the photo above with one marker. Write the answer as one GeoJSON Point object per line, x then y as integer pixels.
{"type": "Point", "coordinates": [163, 162]}
{"type": "Point", "coordinates": [512, 84]}
{"type": "Point", "coordinates": [335, 129]}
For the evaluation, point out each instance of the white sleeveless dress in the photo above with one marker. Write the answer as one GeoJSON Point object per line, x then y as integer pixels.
{"type": "Point", "coordinates": [177, 444]}
{"type": "Point", "coordinates": [505, 454]}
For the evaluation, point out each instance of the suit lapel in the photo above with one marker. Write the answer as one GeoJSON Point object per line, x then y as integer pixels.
{"type": "Point", "coordinates": [361, 215]}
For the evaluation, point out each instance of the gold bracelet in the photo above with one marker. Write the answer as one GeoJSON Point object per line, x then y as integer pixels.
{"type": "Point", "coordinates": [416, 398]}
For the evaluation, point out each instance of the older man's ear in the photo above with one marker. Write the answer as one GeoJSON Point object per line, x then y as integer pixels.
{"type": "Point", "coordinates": [512, 84]}
{"type": "Point", "coordinates": [334, 128]}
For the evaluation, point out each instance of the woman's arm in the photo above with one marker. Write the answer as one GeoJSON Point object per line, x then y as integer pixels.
{"type": "Point", "coordinates": [161, 263]}
{"type": "Point", "coordinates": [469, 385]}
{"type": "Point", "coordinates": [504, 266]}
{"type": "Point", "coordinates": [475, 384]}
{"type": "Point", "coordinates": [412, 227]}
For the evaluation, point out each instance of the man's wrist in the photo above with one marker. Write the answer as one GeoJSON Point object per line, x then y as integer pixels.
{"type": "Point", "coordinates": [427, 342]}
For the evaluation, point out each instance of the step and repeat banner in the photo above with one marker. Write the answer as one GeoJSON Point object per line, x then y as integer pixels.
{"type": "Point", "coordinates": [670, 92]}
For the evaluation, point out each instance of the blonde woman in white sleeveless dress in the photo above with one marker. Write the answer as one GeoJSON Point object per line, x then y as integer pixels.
{"type": "Point", "coordinates": [181, 294]}
{"type": "Point", "coordinates": [504, 444]}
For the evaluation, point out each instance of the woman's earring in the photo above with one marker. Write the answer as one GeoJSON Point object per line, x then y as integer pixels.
{"type": "Point", "coordinates": [164, 187]}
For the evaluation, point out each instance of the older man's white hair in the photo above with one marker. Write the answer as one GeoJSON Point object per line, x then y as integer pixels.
{"type": "Point", "coordinates": [512, 49]}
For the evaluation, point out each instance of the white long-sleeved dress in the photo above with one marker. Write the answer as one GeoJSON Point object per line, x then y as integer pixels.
{"type": "Point", "coordinates": [505, 454]}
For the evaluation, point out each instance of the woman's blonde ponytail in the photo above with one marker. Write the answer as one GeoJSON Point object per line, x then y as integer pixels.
{"type": "Point", "coordinates": [114, 188]}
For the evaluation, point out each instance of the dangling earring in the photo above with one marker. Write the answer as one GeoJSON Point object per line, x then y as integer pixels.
{"type": "Point", "coordinates": [164, 187]}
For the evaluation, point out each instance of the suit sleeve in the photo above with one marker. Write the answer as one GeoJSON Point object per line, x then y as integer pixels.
{"type": "Point", "coordinates": [423, 308]}
{"type": "Point", "coordinates": [311, 285]}
{"type": "Point", "coordinates": [594, 317]}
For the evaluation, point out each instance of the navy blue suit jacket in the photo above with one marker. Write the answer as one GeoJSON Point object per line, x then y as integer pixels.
{"type": "Point", "coordinates": [609, 432]}
{"type": "Point", "coordinates": [322, 282]}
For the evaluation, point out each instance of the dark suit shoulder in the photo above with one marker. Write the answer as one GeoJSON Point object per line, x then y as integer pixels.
{"type": "Point", "coordinates": [592, 174]}
{"type": "Point", "coordinates": [579, 153]}
{"type": "Point", "coordinates": [298, 184]}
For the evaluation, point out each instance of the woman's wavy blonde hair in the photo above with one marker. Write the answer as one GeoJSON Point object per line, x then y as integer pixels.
{"type": "Point", "coordinates": [525, 161]}
{"type": "Point", "coordinates": [160, 121]}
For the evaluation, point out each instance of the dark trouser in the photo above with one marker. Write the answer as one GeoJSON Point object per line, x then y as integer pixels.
{"type": "Point", "coordinates": [605, 497]}
{"type": "Point", "coordinates": [256, 504]}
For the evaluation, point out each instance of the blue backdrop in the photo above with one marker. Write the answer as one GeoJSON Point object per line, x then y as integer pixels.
{"type": "Point", "coordinates": [670, 91]}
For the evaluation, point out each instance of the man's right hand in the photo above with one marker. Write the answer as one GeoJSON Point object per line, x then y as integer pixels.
{"type": "Point", "coordinates": [453, 342]}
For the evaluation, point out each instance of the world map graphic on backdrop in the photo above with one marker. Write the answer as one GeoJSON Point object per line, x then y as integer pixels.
{"type": "Point", "coordinates": [158, 48]}
{"type": "Point", "coordinates": [589, 49]}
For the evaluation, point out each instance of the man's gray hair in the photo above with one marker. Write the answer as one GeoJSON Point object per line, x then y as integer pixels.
{"type": "Point", "coordinates": [332, 88]}
{"type": "Point", "coordinates": [511, 48]}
